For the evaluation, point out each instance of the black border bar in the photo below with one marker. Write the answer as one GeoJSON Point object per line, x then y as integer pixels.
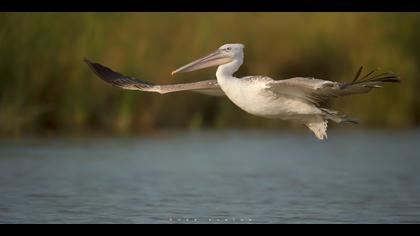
{"type": "Point", "coordinates": [210, 5]}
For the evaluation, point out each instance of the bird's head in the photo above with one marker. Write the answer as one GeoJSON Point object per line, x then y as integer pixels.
{"type": "Point", "coordinates": [233, 50]}
{"type": "Point", "coordinates": [223, 55]}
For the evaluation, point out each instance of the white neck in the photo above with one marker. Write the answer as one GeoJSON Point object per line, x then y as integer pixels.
{"type": "Point", "coordinates": [226, 70]}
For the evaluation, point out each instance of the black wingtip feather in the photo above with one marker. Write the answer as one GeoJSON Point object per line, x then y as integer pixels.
{"type": "Point", "coordinates": [103, 72]}
{"type": "Point", "coordinates": [371, 77]}
{"type": "Point", "coordinates": [114, 78]}
{"type": "Point", "coordinates": [358, 74]}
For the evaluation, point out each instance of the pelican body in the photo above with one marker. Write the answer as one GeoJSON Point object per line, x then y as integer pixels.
{"type": "Point", "coordinates": [297, 99]}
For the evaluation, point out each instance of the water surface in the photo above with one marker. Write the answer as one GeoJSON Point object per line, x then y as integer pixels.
{"type": "Point", "coordinates": [213, 177]}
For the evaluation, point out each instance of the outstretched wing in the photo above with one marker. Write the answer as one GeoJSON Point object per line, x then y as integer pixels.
{"type": "Point", "coordinates": [208, 87]}
{"type": "Point", "coordinates": [316, 91]}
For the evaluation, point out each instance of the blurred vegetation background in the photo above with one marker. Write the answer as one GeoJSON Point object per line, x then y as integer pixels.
{"type": "Point", "coordinates": [45, 87]}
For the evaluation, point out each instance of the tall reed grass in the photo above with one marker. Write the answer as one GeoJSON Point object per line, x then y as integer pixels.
{"type": "Point", "coordinates": [45, 86]}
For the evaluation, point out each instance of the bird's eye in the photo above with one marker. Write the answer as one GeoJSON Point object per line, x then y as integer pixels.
{"type": "Point", "coordinates": [228, 49]}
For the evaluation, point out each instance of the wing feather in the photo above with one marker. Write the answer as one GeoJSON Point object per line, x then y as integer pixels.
{"type": "Point", "coordinates": [316, 91]}
{"type": "Point", "coordinates": [208, 87]}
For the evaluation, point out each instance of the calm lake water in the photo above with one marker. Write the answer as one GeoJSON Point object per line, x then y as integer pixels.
{"type": "Point", "coordinates": [213, 177]}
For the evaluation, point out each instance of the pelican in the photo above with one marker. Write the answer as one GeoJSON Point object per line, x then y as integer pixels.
{"type": "Point", "coordinates": [297, 98]}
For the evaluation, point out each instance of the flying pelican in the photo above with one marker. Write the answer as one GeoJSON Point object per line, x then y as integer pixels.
{"type": "Point", "coordinates": [296, 98]}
